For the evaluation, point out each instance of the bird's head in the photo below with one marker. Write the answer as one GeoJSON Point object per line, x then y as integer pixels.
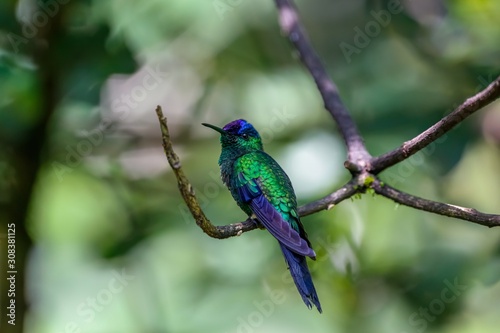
{"type": "Point", "coordinates": [238, 134]}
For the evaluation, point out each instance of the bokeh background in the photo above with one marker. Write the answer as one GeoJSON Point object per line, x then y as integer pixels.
{"type": "Point", "coordinates": [104, 242]}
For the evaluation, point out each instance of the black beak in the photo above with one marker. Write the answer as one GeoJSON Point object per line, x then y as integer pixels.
{"type": "Point", "coordinates": [215, 128]}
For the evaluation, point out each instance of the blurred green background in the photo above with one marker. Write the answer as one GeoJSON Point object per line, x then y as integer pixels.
{"type": "Point", "coordinates": [104, 242]}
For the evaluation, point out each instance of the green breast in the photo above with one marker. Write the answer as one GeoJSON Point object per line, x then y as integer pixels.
{"type": "Point", "coordinates": [259, 169]}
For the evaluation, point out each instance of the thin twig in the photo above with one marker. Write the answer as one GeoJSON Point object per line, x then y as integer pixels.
{"type": "Point", "coordinates": [358, 156]}
{"type": "Point", "coordinates": [467, 214]}
{"type": "Point", "coordinates": [407, 149]}
{"type": "Point", "coordinates": [345, 192]}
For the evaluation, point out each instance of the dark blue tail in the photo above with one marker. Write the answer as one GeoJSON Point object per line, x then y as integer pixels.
{"type": "Point", "coordinates": [302, 277]}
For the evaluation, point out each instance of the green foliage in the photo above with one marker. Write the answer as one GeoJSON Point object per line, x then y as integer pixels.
{"type": "Point", "coordinates": [105, 200]}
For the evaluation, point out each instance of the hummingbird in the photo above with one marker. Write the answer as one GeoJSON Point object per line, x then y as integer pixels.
{"type": "Point", "coordinates": [262, 189]}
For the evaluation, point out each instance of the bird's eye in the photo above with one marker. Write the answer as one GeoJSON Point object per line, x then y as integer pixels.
{"type": "Point", "coordinates": [244, 136]}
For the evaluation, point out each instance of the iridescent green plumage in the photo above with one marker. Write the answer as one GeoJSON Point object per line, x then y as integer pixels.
{"type": "Point", "coordinates": [261, 188]}
{"type": "Point", "coordinates": [260, 171]}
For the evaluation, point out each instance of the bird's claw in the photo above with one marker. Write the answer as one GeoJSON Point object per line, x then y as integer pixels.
{"type": "Point", "coordinates": [255, 222]}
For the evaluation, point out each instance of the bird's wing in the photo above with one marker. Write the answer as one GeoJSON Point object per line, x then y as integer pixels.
{"type": "Point", "coordinates": [253, 190]}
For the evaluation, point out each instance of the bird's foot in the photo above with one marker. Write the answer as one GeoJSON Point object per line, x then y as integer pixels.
{"type": "Point", "coordinates": [255, 222]}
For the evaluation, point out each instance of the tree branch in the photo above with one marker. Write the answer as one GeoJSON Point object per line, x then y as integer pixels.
{"type": "Point", "coordinates": [345, 192]}
{"type": "Point", "coordinates": [290, 25]}
{"type": "Point", "coordinates": [467, 214]}
{"type": "Point", "coordinates": [408, 148]}
{"type": "Point", "coordinates": [360, 163]}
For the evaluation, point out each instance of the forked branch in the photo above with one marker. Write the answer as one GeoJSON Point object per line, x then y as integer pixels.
{"type": "Point", "coordinates": [363, 167]}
